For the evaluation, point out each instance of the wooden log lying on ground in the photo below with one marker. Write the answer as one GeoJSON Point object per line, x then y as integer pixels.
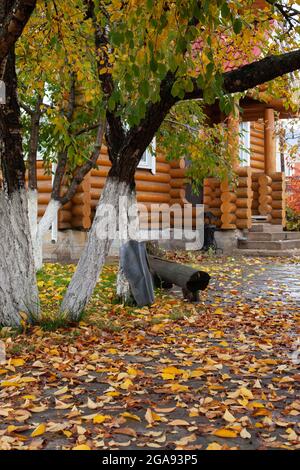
{"type": "Point", "coordinates": [166, 273]}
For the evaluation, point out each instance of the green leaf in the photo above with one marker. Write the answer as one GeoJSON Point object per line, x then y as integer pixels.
{"type": "Point", "coordinates": [225, 10]}
{"type": "Point", "coordinates": [237, 25]}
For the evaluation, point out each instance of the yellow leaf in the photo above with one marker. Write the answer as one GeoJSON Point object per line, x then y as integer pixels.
{"type": "Point", "coordinates": [82, 447]}
{"type": "Point", "coordinates": [214, 446]}
{"type": "Point", "coordinates": [10, 383]}
{"type": "Point", "coordinates": [225, 433]}
{"type": "Point", "coordinates": [126, 384]}
{"type": "Point", "coordinates": [61, 391]}
{"type": "Point", "coordinates": [227, 416]}
{"type": "Point", "coordinates": [17, 362]}
{"type": "Point", "coordinates": [132, 371]}
{"type": "Point", "coordinates": [151, 416]}
{"type": "Point", "coordinates": [219, 311]}
{"type": "Point", "coordinates": [131, 416]}
{"type": "Point", "coordinates": [246, 393]}
{"type": "Point", "coordinates": [98, 419]}
{"type": "Point", "coordinates": [169, 373]}
{"type": "Point", "coordinates": [41, 429]}
{"type": "Point", "coordinates": [29, 397]}
{"type": "Point", "coordinates": [179, 388]}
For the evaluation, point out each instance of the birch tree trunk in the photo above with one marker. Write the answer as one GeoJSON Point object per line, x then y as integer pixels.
{"type": "Point", "coordinates": [43, 227]}
{"type": "Point", "coordinates": [129, 230]}
{"type": "Point", "coordinates": [18, 286]}
{"type": "Point", "coordinates": [99, 242]}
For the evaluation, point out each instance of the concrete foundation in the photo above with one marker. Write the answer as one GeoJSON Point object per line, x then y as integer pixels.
{"type": "Point", "coordinates": [70, 244]}
{"type": "Point", "coordinates": [227, 240]}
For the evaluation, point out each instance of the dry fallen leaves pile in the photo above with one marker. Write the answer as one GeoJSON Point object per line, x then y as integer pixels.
{"type": "Point", "coordinates": [217, 375]}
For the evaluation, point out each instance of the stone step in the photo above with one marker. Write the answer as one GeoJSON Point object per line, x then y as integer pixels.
{"type": "Point", "coordinates": [269, 245]}
{"type": "Point", "coordinates": [265, 227]}
{"type": "Point", "coordinates": [267, 253]}
{"type": "Point", "coordinates": [272, 236]}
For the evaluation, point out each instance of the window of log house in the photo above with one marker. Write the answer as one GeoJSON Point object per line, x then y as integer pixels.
{"type": "Point", "coordinates": [148, 161]}
{"type": "Point", "coordinates": [245, 143]}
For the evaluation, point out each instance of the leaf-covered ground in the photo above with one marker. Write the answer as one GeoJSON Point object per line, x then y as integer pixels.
{"type": "Point", "coordinates": [218, 375]}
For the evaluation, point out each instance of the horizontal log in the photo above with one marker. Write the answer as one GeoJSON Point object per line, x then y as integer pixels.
{"type": "Point", "coordinates": [44, 186]}
{"type": "Point", "coordinates": [216, 203]}
{"type": "Point", "coordinates": [243, 171]}
{"type": "Point", "coordinates": [145, 175]}
{"type": "Point", "coordinates": [215, 211]}
{"type": "Point", "coordinates": [245, 192]}
{"type": "Point", "coordinates": [264, 180]}
{"type": "Point", "coordinates": [177, 163]}
{"type": "Point", "coordinates": [255, 176]}
{"type": "Point", "coordinates": [44, 198]}
{"type": "Point", "coordinates": [257, 165]}
{"type": "Point", "coordinates": [243, 203]}
{"type": "Point", "coordinates": [278, 204]}
{"type": "Point", "coordinates": [277, 195]}
{"type": "Point", "coordinates": [228, 207]}
{"type": "Point", "coordinates": [243, 223]}
{"type": "Point", "coordinates": [94, 204]}
{"type": "Point", "coordinates": [257, 149]}
{"type": "Point", "coordinates": [257, 139]}
{"type": "Point", "coordinates": [278, 176]}
{"type": "Point", "coordinates": [101, 172]}
{"type": "Point", "coordinates": [228, 218]}
{"type": "Point", "coordinates": [244, 182]}
{"type": "Point", "coordinates": [178, 173]}
{"type": "Point", "coordinates": [228, 197]}
{"type": "Point", "coordinates": [265, 190]}
{"type": "Point", "coordinates": [81, 198]}
{"type": "Point", "coordinates": [207, 190]}
{"type": "Point", "coordinates": [227, 226]}
{"type": "Point", "coordinates": [150, 197]}
{"type": "Point", "coordinates": [264, 209]}
{"type": "Point", "coordinates": [42, 177]}
{"type": "Point", "coordinates": [81, 222]}
{"type": "Point", "coordinates": [186, 277]}
{"type": "Point", "coordinates": [97, 182]}
{"type": "Point", "coordinates": [278, 186]}
{"type": "Point", "coordinates": [278, 222]}
{"type": "Point", "coordinates": [64, 216]}
{"type": "Point", "coordinates": [65, 226]}
{"type": "Point", "coordinates": [81, 210]}
{"type": "Point", "coordinates": [243, 213]}
{"type": "Point", "coordinates": [278, 213]}
{"type": "Point", "coordinates": [177, 193]}
{"type": "Point", "coordinates": [212, 182]}
{"type": "Point", "coordinates": [178, 183]}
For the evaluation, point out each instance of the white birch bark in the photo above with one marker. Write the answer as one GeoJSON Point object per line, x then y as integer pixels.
{"type": "Point", "coordinates": [129, 230]}
{"type": "Point", "coordinates": [32, 196]}
{"type": "Point", "coordinates": [99, 242]}
{"type": "Point", "coordinates": [18, 286]}
{"type": "Point", "coordinates": [42, 228]}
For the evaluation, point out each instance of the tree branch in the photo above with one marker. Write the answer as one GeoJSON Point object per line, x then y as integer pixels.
{"type": "Point", "coordinates": [115, 133]}
{"type": "Point", "coordinates": [14, 24]}
{"type": "Point", "coordinates": [27, 109]}
{"type": "Point", "coordinates": [81, 171]}
{"type": "Point", "coordinates": [254, 74]}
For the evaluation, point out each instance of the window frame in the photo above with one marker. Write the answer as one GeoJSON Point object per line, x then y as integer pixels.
{"type": "Point", "coordinates": [245, 143]}
{"type": "Point", "coordinates": [148, 160]}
